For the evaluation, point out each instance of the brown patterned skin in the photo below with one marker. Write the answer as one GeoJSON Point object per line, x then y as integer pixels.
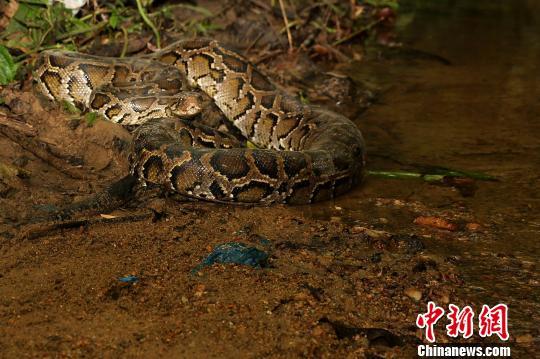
{"type": "Point", "coordinates": [304, 153]}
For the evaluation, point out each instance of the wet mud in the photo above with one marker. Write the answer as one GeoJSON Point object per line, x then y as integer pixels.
{"type": "Point", "coordinates": [343, 278]}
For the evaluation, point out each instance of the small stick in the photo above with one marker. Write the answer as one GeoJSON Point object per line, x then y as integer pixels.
{"type": "Point", "coordinates": [358, 32]}
{"type": "Point", "coordinates": [435, 176]}
{"type": "Point", "coordinates": [267, 56]}
{"type": "Point", "coordinates": [125, 46]}
{"type": "Point", "coordinates": [94, 28]}
{"type": "Point", "coordinates": [42, 229]}
{"type": "Point", "coordinates": [286, 21]}
{"type": "Point", "coordinates": [149, 22]}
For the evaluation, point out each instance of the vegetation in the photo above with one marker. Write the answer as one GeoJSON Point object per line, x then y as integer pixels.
{"type": "Point", "coordinates": [31, 26]}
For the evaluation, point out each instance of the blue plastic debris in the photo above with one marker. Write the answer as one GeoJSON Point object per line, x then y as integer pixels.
{"type": "Point", "coordinates": [235, 253]}
{"type": "Point", "coordinates": [129, 279]}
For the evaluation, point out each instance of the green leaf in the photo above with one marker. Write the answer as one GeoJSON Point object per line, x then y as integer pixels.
{"type": "Point", "coordinates": [204, 27]}
{"type": "Point", "coordinates": [8, 68]}
{"type": "Point", "coordinates": [70, 108]}
{"type": "Point", "coordinates": [251, 145]}
{"type": "Point", "coordinates": [113, 20]}
{"type": "Point", "coordinates": [303, 97]}
{"type": "Point", "coordinates": [79, 25]}
{"type": "Point", "coordinates": [91, 118]}
{"type": "Point", "coordinates": [34, 2]}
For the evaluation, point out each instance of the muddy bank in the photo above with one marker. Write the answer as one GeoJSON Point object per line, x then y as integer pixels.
{"type": "Point", "coordinates": [343, 278]}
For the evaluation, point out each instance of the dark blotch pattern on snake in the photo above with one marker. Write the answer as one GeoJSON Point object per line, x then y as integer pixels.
{"type": "Point", "coordinates": [303, 153]}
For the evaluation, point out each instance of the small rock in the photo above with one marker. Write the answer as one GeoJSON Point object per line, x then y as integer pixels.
{"type": "Point", "coordinates": [318, 331]}
{"type": "Point", "coordinates": [524, 338]}
{"type": "Point", "coordinates": [241, 329]}
{"type": "Point", "coordinates": [413, 293]}
{"type": "Point", "coordinates": [445, 299]}
{"type": "Point", "coordinates": [199, 290]}
{"type": "Point", "coordinates": [435, 222]}
{"type": "Point", "coordinates": [473, 227]}
{"type": "Point", "coordinates": [373, 233]}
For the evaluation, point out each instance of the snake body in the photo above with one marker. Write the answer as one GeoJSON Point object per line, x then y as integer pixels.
{"type": "Point", "coordinates": [303, 153]}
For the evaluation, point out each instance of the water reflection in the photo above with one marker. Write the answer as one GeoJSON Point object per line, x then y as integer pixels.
{"type": "Point", "coordinates": [481, 113]}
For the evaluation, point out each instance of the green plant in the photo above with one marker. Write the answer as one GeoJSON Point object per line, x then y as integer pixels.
{"type": "Point", "coordinates": [8, 67]}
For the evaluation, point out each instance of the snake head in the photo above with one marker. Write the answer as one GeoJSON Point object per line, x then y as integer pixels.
{"type": "Point", "coordinates": [188, 104]}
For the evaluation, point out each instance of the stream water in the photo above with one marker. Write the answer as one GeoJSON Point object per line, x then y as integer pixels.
{"type": "Point", "coordinates": [478, 113]}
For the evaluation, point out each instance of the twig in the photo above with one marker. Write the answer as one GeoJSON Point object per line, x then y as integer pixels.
{"type": "Point", "coordinates": [286, 21]}
{"type": "Point", "coordinates": [436, 176]}
{"type": "Point", "coordinates": [267, 56]}
{"type": "Point", "coordinates": [253, 43]}
{"type": "Point", "coordinates": [358, 32]}
{"type": "Point", "coordinates": [149, 22]}
{"type": "Point", "coordinates": [261, 4]}
{"type": "Point", "coordinates": [42, 229]}
{"type": "Point", "coordinates": [81, 31]}
{"type": "Point", "coordinates": [125, 46]}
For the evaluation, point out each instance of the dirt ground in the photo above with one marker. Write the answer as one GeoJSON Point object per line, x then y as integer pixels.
{"type": "Point", "coordinates": [327, 289]}
{"type": "Point", "coordinates": [345, 278]}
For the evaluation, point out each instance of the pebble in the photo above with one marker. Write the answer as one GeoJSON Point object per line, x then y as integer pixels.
{"type": "Point", "coordinates": [473, 227]}
{"type": "Point", "coordinates": [199, 290]}
{"type": "Point", "coordinates": [318, 331]}
{"type": "Point", "coordinates": [413, 293]}
{"type": "Point", "coordinates": [373, 233]}
{"type": "Point", "coordinates": [445, 299]}
{"type": "Point", "coordinates": [435, 222]}
{"type": "Point", "coordinates": [524, 339]}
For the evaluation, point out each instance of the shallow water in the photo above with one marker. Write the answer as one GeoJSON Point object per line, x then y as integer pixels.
{"type": "Point", "coordinates": [480, 113]}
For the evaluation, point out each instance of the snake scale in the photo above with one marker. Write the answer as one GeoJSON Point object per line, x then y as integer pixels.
{"type": "Point", "coordinates": [302, 153]}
